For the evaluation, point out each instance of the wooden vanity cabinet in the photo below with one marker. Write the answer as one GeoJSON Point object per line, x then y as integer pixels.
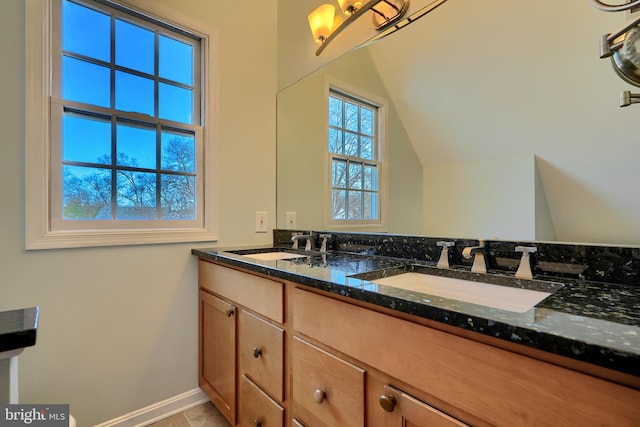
{"type": "Point", "coordinates": [217, 356]}
{"type": "Point", "coordinates": [334, 362]}
{"type": "Point", "coordinates": [242, 345]}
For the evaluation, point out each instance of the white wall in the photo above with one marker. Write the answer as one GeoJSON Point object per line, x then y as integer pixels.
{"type": "Point", "coordinates": [118, 326]}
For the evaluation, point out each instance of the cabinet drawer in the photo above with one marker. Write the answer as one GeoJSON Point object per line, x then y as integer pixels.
{"type": "Point", "coordinates": [261, 346]}
{"type": "Point", "coordinates": [261, 295]}
{"type": "Point", "coordinates": [256, 408]}
{"type": "Point", "coordinates": [403, 410]}
{"type": "Point", "coordinates": [326, 390]}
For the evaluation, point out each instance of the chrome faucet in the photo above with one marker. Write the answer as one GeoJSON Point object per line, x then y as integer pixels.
{"type": "Point", "coordinates": [443, 262]}
{"type": "Point", "coordinates": [524, 269]}
{"type": "Point", "coordinates": [325, 238]}
{"type": "Point", "coordinates": [309, 237]}
{"type": "Point", "coordinates": [479, 257]}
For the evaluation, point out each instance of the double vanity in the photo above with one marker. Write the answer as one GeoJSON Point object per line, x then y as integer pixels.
{"type": "Point", "coordinates": [369, 331]}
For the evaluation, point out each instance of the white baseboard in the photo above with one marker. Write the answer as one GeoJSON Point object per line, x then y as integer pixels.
{"type": "Point", "coordinates": [160, 410]}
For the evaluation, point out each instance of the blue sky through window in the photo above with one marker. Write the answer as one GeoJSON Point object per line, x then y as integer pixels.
{"type": "Point", "coordinates": [126, 67]}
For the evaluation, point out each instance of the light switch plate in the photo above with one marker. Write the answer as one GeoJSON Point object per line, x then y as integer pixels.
{"type": "Point", "coordinates": [261, 222]}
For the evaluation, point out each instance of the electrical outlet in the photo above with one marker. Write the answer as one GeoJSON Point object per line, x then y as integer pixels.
{"type": "Point", "coordinates": [261, 222]}
{"type": "Point", "coordinates": [291, 220]}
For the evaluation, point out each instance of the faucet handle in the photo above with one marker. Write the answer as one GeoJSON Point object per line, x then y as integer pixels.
{"type": "Point", "coordinates": [443, 262]}
{"type": "Point", "coordinates": [524, 269]}
{"type": "Point", "coordinates": [526, 249]}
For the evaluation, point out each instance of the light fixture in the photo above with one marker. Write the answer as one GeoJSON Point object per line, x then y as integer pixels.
{"type": "Point", "coordinates": [623, 46]}
{"type": "Point", "coordinates": [385, 13]}
{"type": "Point", "coordinates": [321, 22]}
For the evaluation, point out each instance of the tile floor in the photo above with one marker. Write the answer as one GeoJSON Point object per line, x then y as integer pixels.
{"type": "Point", "coordinates": [205, 415]}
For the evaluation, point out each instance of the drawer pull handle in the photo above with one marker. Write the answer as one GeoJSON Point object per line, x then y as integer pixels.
{"type": "Point", "coordinates": [229, 312]}
{"type": "Point", "coordinates": [257, 352]}
{"type": "Point", "coordinates": [388, 403]}
{"type": "Point", "coordinates": [319, 396]}
{"type": "Point", "coordinates": [257, 423]}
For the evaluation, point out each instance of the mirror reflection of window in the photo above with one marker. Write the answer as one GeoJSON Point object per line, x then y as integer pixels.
{"type": "Point", "coordinates": [353, 146]}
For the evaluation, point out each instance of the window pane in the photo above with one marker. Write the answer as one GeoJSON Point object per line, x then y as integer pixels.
{"type": "Point", "coordinates": [335, 112]}
{"type": "Point", "coordinates": [178, 152]}
{"type": "Point", "coordinates": [351, 117]}
{"type": "Point", "coordinates": [136, 195]}
{"type": "Point", "coordinates": [335, 141]}
{"type": "Point", "coordinates": [370, 206]}
{"type": "Point", "coordinates": [86, 139]}
{"type": "Point", "coordinates": [178, 197]}
{"type": "Point", "coordinates": [366, 121]}
{"type": "Point", "coordinates": [86, 193]}
{"type": "Point", "coordinates": [175, 103]}
{"type": "Point", "coordinates": [338, 200]}
{"type": "Point", "coordinates": [351, 144]}
{"type": "Point", "coordinates": [134, 93]}
{"type": "Point", "coordinates": [339, 173]}
{"type": "Point", "coordinates": [134, 47]}
{"type": "Point", "coordinates": [370, 177]}
{"type": "Point", "coordinates": [86, 31]}
{"type": "Point", "coordinates": [83, 81]}
{"type": "Point", "coordinates": [175, 60]}
{"type": "Point", "coordinates": [355, 175]}
{"type": "Point", "coordinates": [366, 148]}
{"type": "Point", "coordinates": [355, 205]}
{"type": "Point", "coordinates": [136, 146]}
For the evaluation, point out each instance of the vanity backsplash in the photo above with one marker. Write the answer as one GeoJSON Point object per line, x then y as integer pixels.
{"type": "Point", "coordinates": [598, 263]}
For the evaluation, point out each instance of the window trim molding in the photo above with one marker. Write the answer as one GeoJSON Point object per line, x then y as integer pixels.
{"type": "Point", "coordinates": [381, 103]}
{"type": "Point", "coordinates": [38, 233]}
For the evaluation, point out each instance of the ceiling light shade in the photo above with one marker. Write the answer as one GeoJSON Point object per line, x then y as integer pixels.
{"type": "Point", "coordinates": [321, 22]}
{"type": "Point", "coordinates": [349, 6]}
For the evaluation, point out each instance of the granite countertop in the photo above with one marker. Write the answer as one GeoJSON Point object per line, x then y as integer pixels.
{"type": "Point", "coordinates": [596, 323]}
{"type": "Point", "coordinates": [18, 328]}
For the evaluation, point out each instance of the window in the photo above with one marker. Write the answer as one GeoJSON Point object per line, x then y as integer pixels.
{"type": "Point", "coordinates": [125, 141]}
{"type": "Point", "coordinates": [354, 160]}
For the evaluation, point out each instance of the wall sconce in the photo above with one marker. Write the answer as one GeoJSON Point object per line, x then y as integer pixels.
{"type": "Point", "coordinates": [385, 13]}
{"type": "Point", "coordinates": [623, 46]}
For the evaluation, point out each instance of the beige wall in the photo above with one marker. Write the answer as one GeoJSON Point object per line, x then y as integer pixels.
{"type": "Point", "coordinates": [118, 326]}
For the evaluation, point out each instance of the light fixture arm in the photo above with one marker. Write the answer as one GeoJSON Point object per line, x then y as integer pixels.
{"type": "Point", "coordinates": [370, 5]}
{"type": "Point", "coordinates": [607, 47]}
{"type": "Point", "coordinates": [627, 98]}
{"type": "Point", "coordinates": [614, 8]}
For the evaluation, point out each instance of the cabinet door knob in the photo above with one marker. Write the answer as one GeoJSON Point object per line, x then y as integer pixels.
{"type": "Point", "coordinates": [388, 403]}
{"type": "Point", "coordinates": [256, 423]}
{"type": "Point", "coordinates": [257, 352]}
{"type": "Point", "coordinates": [229, 312]}
{"type": "Point", "coordinates": [319, 396]}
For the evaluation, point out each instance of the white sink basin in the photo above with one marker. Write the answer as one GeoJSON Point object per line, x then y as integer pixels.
{"type": "Point", "coordinates": [495, 296]}
{"type": "Point", "coordinates": [271, 256]}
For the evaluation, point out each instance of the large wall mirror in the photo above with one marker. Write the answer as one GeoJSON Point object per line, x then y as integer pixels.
{"type": "Point", "coordinates": [502, 122]}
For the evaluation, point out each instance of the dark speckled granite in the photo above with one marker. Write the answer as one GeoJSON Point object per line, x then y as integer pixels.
{"type": "Point", "coordinates": [18, 328]}
{"type": "Point", "coordinates": [588, 319]}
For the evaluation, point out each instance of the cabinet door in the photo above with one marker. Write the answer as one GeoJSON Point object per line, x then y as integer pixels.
{"type": "Point", "coordinates": [257, 409]}
{"type": "Point", "coordinates": [326, 390]}
{"type": "Point", "coordinates": [217, 364]}
{"type": "Point", "coordinates": [403, 410]}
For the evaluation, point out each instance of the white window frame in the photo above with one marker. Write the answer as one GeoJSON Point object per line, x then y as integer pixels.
{"type": "Point", "coordinates": [38, 70]}
{"type": "Point", "coordinates": [380, 224]}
